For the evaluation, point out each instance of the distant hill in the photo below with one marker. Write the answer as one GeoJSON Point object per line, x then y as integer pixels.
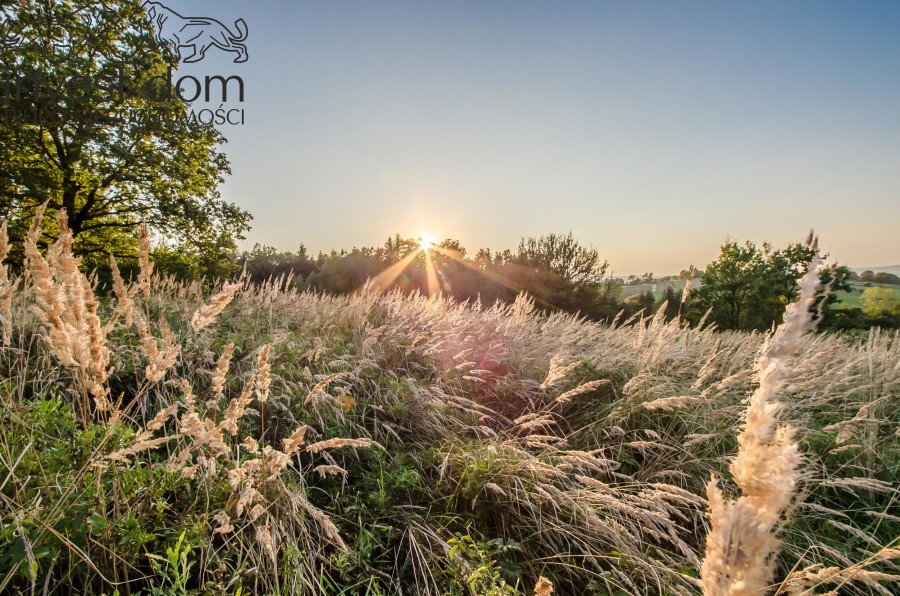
{"type": "Point", "coordinates": [895, 269]}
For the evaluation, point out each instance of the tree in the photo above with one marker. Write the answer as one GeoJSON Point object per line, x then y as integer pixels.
{"type": "Point", "coordinates": [95, 132]}
{"type": "Point", "coordinates": [265, 262]}
{"type": "Point", "coordinates": [558, 271]}
{"type": "Point", "coordinates": [347, 273]}
{"type": "Point", "coordinates": [563, 256]}
{"type": "Point", "coordinates": [728, 288]}
{"type": "Point", "coordinates": [672, 299]}
{"type": "Point", "coordinates": [878, 302]}
{"type": "Point", "coordinates": [645, 302]}
{"type": "Point", "coordinates": [748, 287]}
{"type": "Point", "coordinates": [214, 257]}
{"type": "Point", "coordinates": [484, 259]}
{"type": "Point", "coordinates": [884, 277]}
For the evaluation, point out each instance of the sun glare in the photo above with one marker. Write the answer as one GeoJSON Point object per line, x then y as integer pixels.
{"type": "Point", "coordinates": [426, 242]}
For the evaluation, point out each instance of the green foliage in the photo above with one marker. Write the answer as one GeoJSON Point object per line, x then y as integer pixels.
{"type": "Point", "coordinates": [558, 271]}
{"type": "Point", "coordinates": [884, 277]}
{"type": "Point", "coordinates": [672, 300]}
{"type": "Point", "coordinates": [849, 312]}
{"type": "Point", "coordinates": [475, 564]}
{"type": "Point", "coordinates": [642, 302]}
{"type": "Point", "coordinates": [348, 273]}
{"type": "Point", "coordinates": [106, 148]}
{"type": "Point", "coordinates": [748, 287]}
{"type": "Point", "coordinates": [210, 259]}
{"type": "Point", "coordinates": [174, 568]}
{"type": "Point", "coordinates": [562, 255]}
{"type": "Point", "coordinates": [878, 302]}
{"type": "Point", "coordinates": [264, 262]}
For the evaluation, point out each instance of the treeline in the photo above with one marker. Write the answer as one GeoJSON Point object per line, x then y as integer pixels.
{"type": "Point", "coordinates": [882, 277]}
{"type": "Point", "coordinates": [556, 270]}
{"type": "Point", "coordinates": [745, 288]}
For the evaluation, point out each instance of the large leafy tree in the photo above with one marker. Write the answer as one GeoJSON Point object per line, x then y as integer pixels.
{"type": "Point", "coordinates": [558, 271]}
{"type": "Point", "coordinates": [562, 255]}
{"type": "Point", "coordinates": [88, 125]}
{"type": "Point", "coordinates": [747, 287]}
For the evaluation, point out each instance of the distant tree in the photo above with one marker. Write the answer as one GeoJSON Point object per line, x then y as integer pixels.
{"type": "Point", "coordinates": [646, 301]}
{"type": "Point", "coordinates": [396, 248]}
{"type": "Point", "coordinates": [609, 300]}
{"type": "Point", "coordinates": [672, 299]}
{"type": "Point", "coordinates": [214, 258]}
{"type": "Point", "coordinates": [558, 271]}
{"type": "Point", "coordinates": [747, 287]}
{"type": "Point", "coordinates": [483, 259]}
{"type": "Point", "coordinates": [729, 287]}
{"type": "Point", "coordinates": [884, 277]}
{"type": "Point", "coordinates": [343, 274]}
{"type": "Point", "coordinates": [264, 262]}
{"type": "Point", "coordinates": [878, 302]}
{"type": "Point", "coordinates": [458, 276]}
{"type": "Point", "coordinates": [836, 278]}
{"type": "Point", "coordinates": [867, 275]}
{"type": "Point", "coordinates": [453, 247]}
{"type": "Point", "coordinates": [562, 255]}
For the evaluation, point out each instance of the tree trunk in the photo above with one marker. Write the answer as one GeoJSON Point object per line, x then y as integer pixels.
{"type": "Point", "coordinates": [70, 194]}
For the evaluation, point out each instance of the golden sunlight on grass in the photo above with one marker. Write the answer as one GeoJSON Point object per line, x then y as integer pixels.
{"type": "Point", "coordinates": [263, 415]}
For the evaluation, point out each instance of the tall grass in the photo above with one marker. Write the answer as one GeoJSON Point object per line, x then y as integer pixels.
{"type": "Point", "coordinates": [270, 441]}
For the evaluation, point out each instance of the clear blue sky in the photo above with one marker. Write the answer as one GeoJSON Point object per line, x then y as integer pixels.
{"type": "Point", "coordinates": [652, 130]}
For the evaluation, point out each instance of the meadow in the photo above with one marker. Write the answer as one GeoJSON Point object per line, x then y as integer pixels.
{"type": "Point", "coordinates": [167, 438]}
{"type": "Point", "coordinates": [849, 299]}
{"type": "Point", "coordinates": [657, 288]}
{"type": "Point", "coordinates": [852, 298]}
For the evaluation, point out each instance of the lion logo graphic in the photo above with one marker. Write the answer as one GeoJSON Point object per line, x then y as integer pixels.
{"type": "Point", "coordinates": [197, 33]}
{"type": "Point", "coordinates": [10, 40]}
{"type": "Point", "coordinates": [8, 37]}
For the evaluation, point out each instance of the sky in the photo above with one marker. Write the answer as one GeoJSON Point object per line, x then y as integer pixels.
{"type": "Point", "coordinates": [653, 131]}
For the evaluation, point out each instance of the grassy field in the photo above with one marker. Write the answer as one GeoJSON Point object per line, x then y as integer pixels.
{"type": "Point", "coordinates": [845, 299]}
{"type": "Point", "coordinates": [851, 299]}
{"type": "Point", "coordinates": [262, 441]}
{"type": "Point", "coordinates": [658, 288]}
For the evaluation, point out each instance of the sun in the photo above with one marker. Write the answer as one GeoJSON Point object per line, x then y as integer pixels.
{"type": "Point", "coordinates": [426, 242]}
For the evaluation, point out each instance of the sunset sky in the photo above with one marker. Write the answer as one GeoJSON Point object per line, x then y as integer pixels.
{"type": "Point", "coordinates": [652, 130]}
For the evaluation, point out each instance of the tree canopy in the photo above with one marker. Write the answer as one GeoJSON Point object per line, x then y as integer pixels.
{"type": "Point", "coordinates": [878, 302]}
{"type": "Point", "coordinates": [88, 126]}
{"type": "Point", "coordinates": [747, 287]}
{"type": "Point", "coordinates": [559, 271]}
